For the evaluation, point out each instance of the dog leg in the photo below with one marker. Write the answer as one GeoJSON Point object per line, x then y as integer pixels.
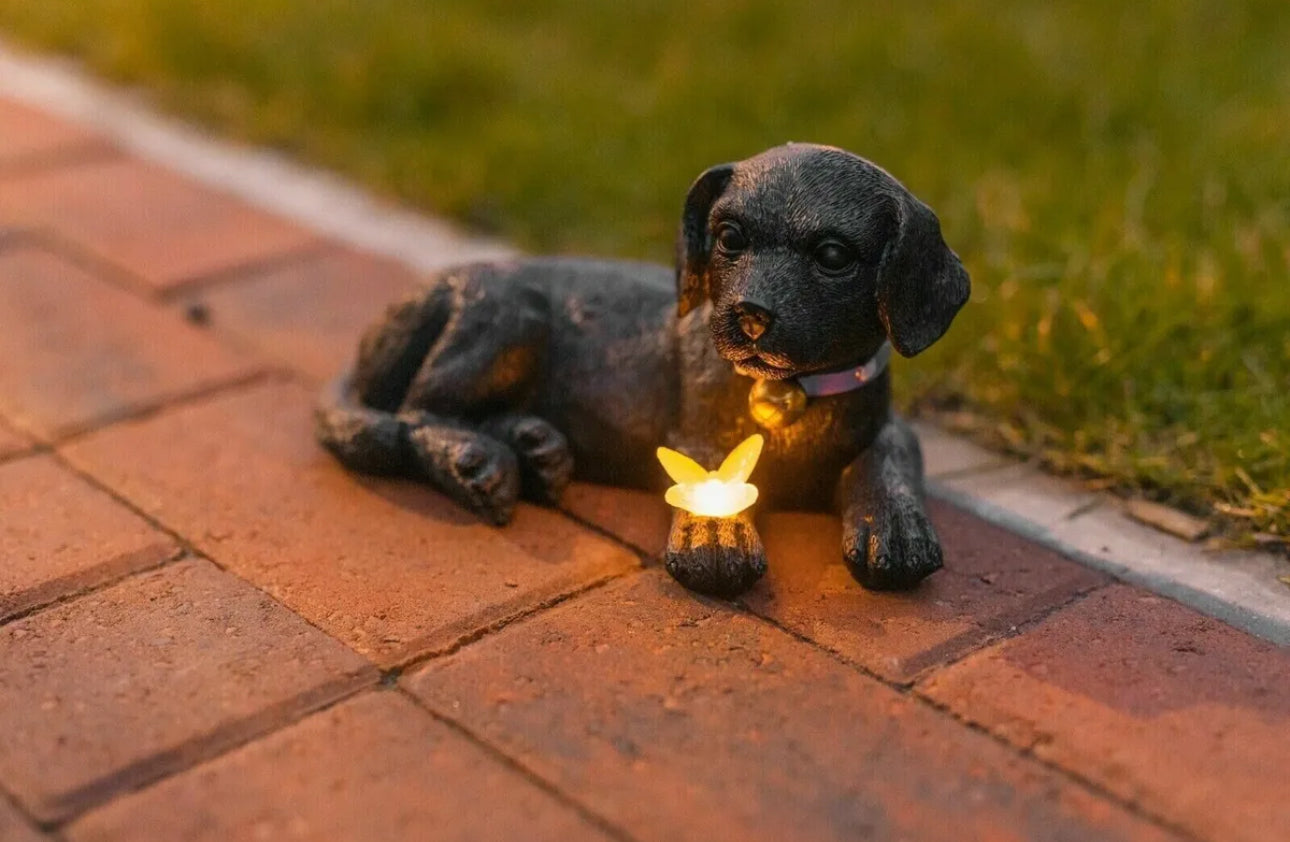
{"type": "Point", "coordinates": [370, 441]}
{"type": "Point", "coordinates": [887, 539]}
{"type": "Point", "coordinates": [715, 556]}
{"type": "Point", "coordinates": [473, 468]}
{"type": "Point", "coordinates": [428, 375]}
{"type": "Point", "coordinates": [546, 465]}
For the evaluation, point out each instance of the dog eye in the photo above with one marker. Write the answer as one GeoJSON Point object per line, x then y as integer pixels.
{"type": "Point", "coordinates": [730, 239]}
{"type": "Point", "coordinates": [833, 257]}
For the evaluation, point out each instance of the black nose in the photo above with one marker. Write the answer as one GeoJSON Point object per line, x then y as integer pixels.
{"type": "Point", "coordinates": [753, 319]}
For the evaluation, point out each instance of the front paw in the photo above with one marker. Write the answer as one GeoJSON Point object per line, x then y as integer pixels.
{"type": "Point", "coordinates": [892, 549]}
{"type": "Point", "coordinates": [478, 472]}
{"type": "Point", "coordinates": [546, 463]}
{"type": "Point", "coordinates": [715, 556]}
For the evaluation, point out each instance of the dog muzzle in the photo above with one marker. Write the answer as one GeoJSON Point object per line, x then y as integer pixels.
{"type": "Point", "coordinates": [775, 404]}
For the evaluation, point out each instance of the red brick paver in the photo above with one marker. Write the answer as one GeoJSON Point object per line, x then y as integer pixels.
{"type": "Point", "coordinates": [1168, 708]}
{"type": "Point", "coordinates": [59, 534]}
{"type": "Point", "coordinates": [162, 229]}
{"type": "Point", "coordinates": [118, 687]}
{"type": "Point", "coordinates": [375, 768]}
{"type": "Point", "coordinates": [29, 136]}
{"type": "Point", "coordinates": [12, 442]}
{"type": "Point", "coordinates": [681, 719]}
{"type": "Point", "coordinates": [392, 568]}
{"type": "Point", "coordinates": [992, 581]}
{"type": "Point", "coordinates": [638, 518]}
{"type": "Point", "coordinates": [310, 313]}
{"type": "Point", "coordinates": [191, 702]}
{"type": "Point", "coordinates": [13, 827]}
{"type": "Point", "coordinates": [77, 352]}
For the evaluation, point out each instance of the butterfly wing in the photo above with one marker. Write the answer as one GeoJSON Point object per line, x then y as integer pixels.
{"type": "Point", "coordinates": [681, 497]}
{"type": "Point", "coordinates": [738, 466]}
{"type": "Point", "coordinates": [681, 468]}
{"type": "Point", "coordinates": [733, 499]}
{"type": "Point", "coordinates": [743, 497]}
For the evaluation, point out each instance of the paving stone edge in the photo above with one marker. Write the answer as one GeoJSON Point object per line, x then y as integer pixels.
{"type": "Point", "coordinates": [311, 197]}
{"type": "Point", "coordinates": [1241, 588]}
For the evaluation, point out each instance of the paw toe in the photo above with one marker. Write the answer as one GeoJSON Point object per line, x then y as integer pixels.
{"type": "Point", "coordinates": [533, 435]}
{"type": "Point", "coordinates": [893, 557]}
{"type": "Point", "coordinates": [472, 462]}
{"type": "Point", "coordinates": [545, 460]}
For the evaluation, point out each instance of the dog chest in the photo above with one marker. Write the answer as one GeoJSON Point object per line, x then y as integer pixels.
{"type": "Point", "coordinates": [801, 462]}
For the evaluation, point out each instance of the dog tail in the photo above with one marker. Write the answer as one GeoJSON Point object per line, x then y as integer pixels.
{"type": "Point", "coordinates": [367, 440]}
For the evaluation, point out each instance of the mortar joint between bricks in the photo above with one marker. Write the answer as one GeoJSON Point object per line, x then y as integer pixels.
{"type": "Point", "coordinates": [500, 756]}
{"type": "Point", "coordinates": [910, 690]}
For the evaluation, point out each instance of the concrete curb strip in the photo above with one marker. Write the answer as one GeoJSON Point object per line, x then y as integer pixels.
{"type": "Point", "coordinates": [1238, 587]}
{"type": "Point", "coordinates": [1241, 588]}
{"type": "Point", "coordinates": [311, 197]}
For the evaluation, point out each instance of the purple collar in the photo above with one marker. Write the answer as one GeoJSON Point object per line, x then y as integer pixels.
{"type": "Point", "coordinates": [837, 382]}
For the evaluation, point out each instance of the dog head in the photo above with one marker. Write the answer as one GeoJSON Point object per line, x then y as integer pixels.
{"type": "Point", "coordinates": [812, 257]}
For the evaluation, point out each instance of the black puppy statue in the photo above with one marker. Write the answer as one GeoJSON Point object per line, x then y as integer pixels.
{"type": "Point", "coordinates": [797, 271]}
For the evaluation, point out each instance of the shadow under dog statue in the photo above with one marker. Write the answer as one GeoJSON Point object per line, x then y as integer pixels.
{"type": "Point", "coordinates": [797, 271]}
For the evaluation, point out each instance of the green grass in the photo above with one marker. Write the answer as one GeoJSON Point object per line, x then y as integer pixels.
{"type": "Point", "coordinates": [1116, 176]}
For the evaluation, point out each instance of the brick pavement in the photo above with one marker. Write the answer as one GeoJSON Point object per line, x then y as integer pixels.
{"type": "Point", "coordinates": [12, 442]}
{"type": "Point", "coordinates": [210, 631]}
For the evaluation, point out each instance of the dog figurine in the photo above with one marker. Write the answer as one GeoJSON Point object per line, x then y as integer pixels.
{"type": "Point", "coordinates": [797, 270]}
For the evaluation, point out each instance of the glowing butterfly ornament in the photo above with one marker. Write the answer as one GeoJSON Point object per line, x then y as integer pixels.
{"type": "Point", "coordinates": [724, 492]}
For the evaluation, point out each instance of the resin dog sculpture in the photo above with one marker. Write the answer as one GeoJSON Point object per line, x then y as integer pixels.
{"type": "Point", "coordinates": [797, 271]}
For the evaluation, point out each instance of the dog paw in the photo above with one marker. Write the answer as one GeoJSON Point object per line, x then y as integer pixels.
{"type": "Point", "coordinates": [546, 465]}
{"type": "Point", "coordinates": [477, 471]}
{"type": "Point", "coordinates": [894, 549]}
{"type": "Point", "coordinates": [715, 556]}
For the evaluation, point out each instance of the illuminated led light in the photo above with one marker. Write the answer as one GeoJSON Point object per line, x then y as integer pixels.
{"type": "Point", "coordinates": [724, 492]}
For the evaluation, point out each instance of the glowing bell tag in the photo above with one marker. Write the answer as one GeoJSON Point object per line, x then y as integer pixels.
{"type": "Point", "coordinates": [775, 404]}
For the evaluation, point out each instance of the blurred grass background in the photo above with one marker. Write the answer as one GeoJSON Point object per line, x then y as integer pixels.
{"type": "Point", "coordinates": [1116, 176]}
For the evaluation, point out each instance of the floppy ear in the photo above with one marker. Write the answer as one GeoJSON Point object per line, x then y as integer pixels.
{"type": "Point", "coordinates": [921, 283]}
{"type": "Point", "coordinates": [692, 244]}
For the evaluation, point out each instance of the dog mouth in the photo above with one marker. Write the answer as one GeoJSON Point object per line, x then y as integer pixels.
{"type": "Point", "coordinates": [761, 368]}
{"type": "Point", "coordinates": [747, 358]}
